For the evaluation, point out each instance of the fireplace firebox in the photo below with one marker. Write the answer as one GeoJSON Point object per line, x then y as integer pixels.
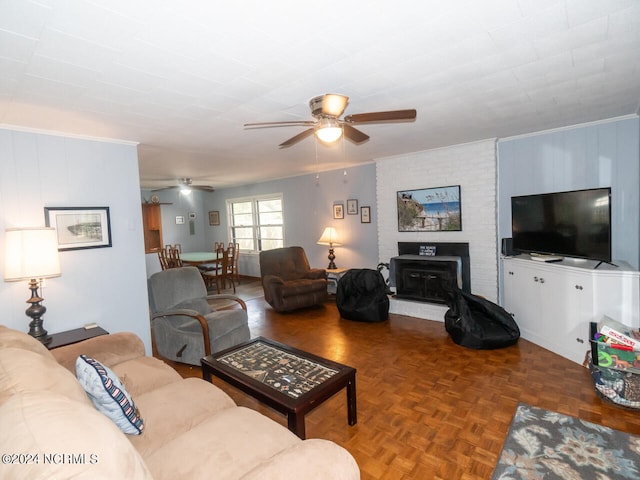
{"type": "Point", "coordinates": [425, 271]}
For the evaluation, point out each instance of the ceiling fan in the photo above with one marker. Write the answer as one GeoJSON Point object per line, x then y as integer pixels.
{"type": "Point", "coordinates": [326, 110]}
{"type": "Point", "coordinates": [186, 185]}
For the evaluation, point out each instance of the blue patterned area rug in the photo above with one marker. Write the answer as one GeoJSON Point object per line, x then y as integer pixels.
{"type": "Point", "coordinates": [547, 445]}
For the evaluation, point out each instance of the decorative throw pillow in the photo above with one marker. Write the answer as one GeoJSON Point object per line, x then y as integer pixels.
{"type": "Point", "coordinates": [108, 394]}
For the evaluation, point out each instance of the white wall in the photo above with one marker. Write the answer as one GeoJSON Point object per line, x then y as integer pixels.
{"type": "Point", "coordinates": [104, 285]}
{"type": "Point", "coordinates": [473, 167]}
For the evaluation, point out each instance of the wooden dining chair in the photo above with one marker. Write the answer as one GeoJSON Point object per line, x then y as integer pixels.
{"type": "Point", "coordinates": [230, 259]}
{"type": "Point", "coordinates": [174, 256]}
{"type": "Point", "coordinates": [214, 272]}
{"type": "Point", "coordinates": [234, 254]}
{"type": "Point", "coordinates": [163, 258]}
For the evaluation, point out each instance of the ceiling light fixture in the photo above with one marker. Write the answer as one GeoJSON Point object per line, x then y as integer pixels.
{"type": "Point", "coordinates": [328, 130]}
{"type": "Point", "coordinates": [185, 186]}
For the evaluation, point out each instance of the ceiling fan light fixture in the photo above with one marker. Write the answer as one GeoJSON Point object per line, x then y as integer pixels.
{"type": "Point", "coordinates": [185, 186]}
{"type": "Point", "coordinates": [328, 130]}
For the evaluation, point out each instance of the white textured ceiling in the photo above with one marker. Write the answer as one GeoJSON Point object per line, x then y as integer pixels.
{"type": "Point", "coordinates": [182, 77]}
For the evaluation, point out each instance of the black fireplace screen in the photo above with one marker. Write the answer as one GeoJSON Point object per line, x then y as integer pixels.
{"type": "Point", "coordinates": [426, 278]}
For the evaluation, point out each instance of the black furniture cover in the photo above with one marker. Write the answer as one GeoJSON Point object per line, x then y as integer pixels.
{"type": "Point", "coordinates": [362, 296]}
{"type": "Point", "coordinates": [475, 322]}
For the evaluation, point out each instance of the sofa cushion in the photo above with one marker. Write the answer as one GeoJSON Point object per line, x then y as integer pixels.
{"type": "Point", "coordinates": [144, 374]}
{"type": "Point", "coordinates": [243, 439]}
{"type": "Point", "coordinates": [79, 441]}
{"type": "Point", "coordinates": [25, 370]}
{"type": "Point", "coordinates": [313, 459]}
{"type": "Point", "coordinates": [173, 409]}
{"type": "Point", "coordinates": [109, 395]}
{"type": "Point", "coordinates": [15, 339]}
{"type": "Point", "coordinates": [109, 350]}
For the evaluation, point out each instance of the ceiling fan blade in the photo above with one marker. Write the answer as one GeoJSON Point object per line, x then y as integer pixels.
{"type": "Point", "coordinates": [204, 188]}
{"type": "Point", "coordinates": [354, 134]}
{"type": "Point", "coordinates": [381, 116]}
{"type": "Point", "coordinates": [303, 123]}
{"type": "Point", "coordinates": [334, 104]}
{"type": "Point", "coordinates": [297, 138]}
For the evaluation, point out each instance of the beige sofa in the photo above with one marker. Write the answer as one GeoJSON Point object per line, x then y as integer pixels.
{"type": "Point", "coordinates": [192, 429]}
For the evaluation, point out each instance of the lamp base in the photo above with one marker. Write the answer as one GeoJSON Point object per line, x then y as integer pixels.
{"type": "Point", "coordinates": [331, 257]}
{"type": "Point", "coordinates": [35, 312]}
{"type": "Point", "coordinates": [39, 333]}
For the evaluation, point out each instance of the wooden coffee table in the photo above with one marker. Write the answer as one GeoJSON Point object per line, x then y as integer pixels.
{"type": "Point", "coordinates": [288, 380]}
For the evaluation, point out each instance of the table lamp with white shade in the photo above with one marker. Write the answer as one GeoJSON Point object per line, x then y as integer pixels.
{"type": "Point", "coordinates": [330, 237]}
{"type": "Point", "coordinates": [32, 254]}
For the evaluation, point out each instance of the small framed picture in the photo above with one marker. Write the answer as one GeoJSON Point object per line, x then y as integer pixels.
{"type": "Point", "coordinates": [214, 217]}
{"type": "Point", "coordinates": [179, 220]}
{"type": "Point", "coordinates": [338, 210]}
{"type": "Point", "coordinates": [352, 207]}
{"type": "Point", "coordinates": [365, 214]}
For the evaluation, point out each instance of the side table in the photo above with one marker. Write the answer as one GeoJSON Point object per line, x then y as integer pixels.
{"type": "Point", "coordinates": [333, 277]}
{"type": "Point", "coordinates": [74, 336]}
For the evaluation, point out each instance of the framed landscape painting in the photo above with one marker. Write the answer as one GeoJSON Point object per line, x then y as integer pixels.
{"type": "Point", "coordinates": [429, 210]}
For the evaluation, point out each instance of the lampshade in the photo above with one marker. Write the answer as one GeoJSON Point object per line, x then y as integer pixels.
{"type": "Point", "coordinates": [31, 253]}
{"type": "Point", "coordinates": [329, 237]}
{"type": "Point", "coordinates": [328, 130]}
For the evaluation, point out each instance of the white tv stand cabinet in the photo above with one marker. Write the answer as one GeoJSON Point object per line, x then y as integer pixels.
{"type": "Point", "coordinates": [553, 303]}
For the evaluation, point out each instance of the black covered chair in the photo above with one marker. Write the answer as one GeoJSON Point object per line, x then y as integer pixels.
{"type": "Point", "coordinates": [475, 322]}
{"type": "Point", "coordinates": [362, 296]}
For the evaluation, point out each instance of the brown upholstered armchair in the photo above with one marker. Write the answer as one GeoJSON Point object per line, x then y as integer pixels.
{"type": "Point", "coordinates": [289, 282]}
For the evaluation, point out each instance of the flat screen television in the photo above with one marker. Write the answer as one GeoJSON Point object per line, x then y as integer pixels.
{"type": "Point", "coordinates": [569, 224]}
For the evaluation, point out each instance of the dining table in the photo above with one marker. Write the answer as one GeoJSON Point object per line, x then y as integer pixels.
{"type": "Point", "coordinates": [198, 258]}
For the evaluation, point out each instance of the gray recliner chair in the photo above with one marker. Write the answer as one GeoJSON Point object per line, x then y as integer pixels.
{"type": "Point", "coordinates": [184, 326]}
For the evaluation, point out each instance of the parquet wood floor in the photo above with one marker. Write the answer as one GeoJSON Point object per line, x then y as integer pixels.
{"type": "Point", "coordinates": [427, 408]}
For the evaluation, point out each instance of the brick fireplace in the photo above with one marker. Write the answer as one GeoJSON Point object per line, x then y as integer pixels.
{"type": "Point", "coordinates": [473, 167]}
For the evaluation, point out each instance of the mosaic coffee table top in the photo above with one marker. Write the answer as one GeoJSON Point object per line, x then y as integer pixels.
{"type": "Point", "coordinates": [289, 380]}
{"type": "Point", "coordinates": [280, 370]}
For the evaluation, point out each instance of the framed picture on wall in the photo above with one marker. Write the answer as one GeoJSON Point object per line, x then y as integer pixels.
{"type": "Point", "coordinates": [352, 207]}
{"type": "Point", "coordinates": [429, 209]}
{"type": "Point", "coordinates": [338, 211]}
{"type": "Point", "coordinates": [179, 220]}
{"type": "Point", "coordinates": [214, 217]}
{"type": "Point", "coordinates": [365, 214]}
{"type": "Point", "coordinates": [79, 227]}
